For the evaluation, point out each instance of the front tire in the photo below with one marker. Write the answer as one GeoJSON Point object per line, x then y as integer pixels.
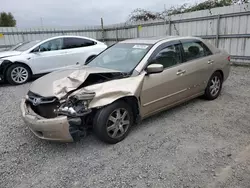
{"type": "Point", "coordinates": [214, 86]}
{"type": "Point", "coordinates": [113, 122]}
{"type": "Point", "coordinates": [18, 74]}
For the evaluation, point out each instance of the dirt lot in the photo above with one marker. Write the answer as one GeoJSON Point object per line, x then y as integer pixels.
{"type": "Point", "coordinates": [198, 144]}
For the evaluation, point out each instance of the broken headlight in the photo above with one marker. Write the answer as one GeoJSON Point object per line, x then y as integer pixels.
{"type": "Point", "coordinates": [77, 105]}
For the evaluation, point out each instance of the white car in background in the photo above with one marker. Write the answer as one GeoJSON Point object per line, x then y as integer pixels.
{"type": "Point", "coordinates": [40, 57]}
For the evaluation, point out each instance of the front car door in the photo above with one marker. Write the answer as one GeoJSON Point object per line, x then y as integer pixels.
{"type": "Point", "coordinates": [167, 88]}
{"type": "Point", "coordinates": [49, 56]}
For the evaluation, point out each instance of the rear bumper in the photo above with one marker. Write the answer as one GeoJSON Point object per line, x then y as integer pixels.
{"type": "Point", "coordinates": [226, 71]}
{"type": "Point", "coordinates": [56, 129]}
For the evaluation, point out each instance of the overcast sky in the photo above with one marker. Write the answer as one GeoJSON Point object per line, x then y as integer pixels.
{"type": "Point", "coordinates": [34, 13]}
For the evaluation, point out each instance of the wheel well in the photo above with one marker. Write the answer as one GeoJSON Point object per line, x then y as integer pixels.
{"type": "Point", "coordinates": [221, 72]}
{"type": "Point", "coordinates": [18, 63]}
{"type": "Point", "coordinates": [134, 103]}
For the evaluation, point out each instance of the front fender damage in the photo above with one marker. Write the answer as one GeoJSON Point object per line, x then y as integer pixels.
{"type": "Point", "coordinates": [105, 94]}
{"type": "Point", "coordinates": [108, 92]}
{"type": "Point", "coordinates": [80, 93]}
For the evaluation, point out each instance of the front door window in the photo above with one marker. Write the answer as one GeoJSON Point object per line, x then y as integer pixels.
{"type": "Point", "coordinates": [52, 45]}
{"type": "Point", "coordinates": [168, 56]}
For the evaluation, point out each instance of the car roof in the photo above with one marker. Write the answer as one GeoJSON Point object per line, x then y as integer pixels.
{"type": "Point", "coordinates": [154, 40]}
{"type": "Point", "coordinates": [69, 36]}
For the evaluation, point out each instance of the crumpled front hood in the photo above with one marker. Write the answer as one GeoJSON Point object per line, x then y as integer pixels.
{"type": "Point", "coordinates": [59, 83]}
{"type": "Point", "coordinates": [9, 53]}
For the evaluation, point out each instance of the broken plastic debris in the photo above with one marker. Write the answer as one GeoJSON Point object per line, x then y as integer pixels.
{"type": "Point", "coordinates": [71, 110]}
{"type": "Point", "coordinates": [65, 109]}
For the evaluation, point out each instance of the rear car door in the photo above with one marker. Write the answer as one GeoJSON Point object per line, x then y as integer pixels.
{"type": "Point", "coordinates": [169, 87]}
{"type": "Point", "coordinates": [49, 56]}
{"type": "Point", "coordinates": [79, 50]}
{"type": "Point", "coordinates": [198, 63]}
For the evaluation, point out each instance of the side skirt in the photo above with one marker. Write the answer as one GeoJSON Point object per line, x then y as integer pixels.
{"type": "Point", "coordinates": [172, 105]}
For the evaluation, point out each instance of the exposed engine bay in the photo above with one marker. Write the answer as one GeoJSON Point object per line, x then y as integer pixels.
{"type": "Point", "coordinates": [73, 106]}
{"type": "Point", "coordinates": [76, 106]}
{"type": "Point", "coordinates": [101, 77]}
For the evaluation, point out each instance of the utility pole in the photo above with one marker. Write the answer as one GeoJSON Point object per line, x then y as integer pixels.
{"type": "Point", "coordinates": [103, 37]}
{"type": "Point", "coordinates": [41, 19]}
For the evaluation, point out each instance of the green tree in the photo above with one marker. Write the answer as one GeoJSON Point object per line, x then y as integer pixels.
{"type": "Point", "coordinates": [145, 15]}
{"type": "Point", "coordinates": [7, 20]}
{"type": "Point", "coordinates": [209, 5]}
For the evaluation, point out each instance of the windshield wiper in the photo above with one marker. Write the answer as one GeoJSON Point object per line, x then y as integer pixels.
{"type": "Point", "coordinates": [125, 74]}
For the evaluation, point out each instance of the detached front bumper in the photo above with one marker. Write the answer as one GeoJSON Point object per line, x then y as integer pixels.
{"type": "Point", "coordinates": [56, 129]}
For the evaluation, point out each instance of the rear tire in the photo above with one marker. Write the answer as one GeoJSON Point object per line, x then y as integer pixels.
{"type": "Point", "coordinates": [113, 122]}
{"type": "Point", "coordinates": [18, 74]}
{"type": "Point", "coordinates": [214, 86]}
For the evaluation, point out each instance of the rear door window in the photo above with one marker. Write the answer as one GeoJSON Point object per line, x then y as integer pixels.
{"type": "Point", "coordinates": [195, 50]}
{"type": "Point", "coordinates": [71, 42]}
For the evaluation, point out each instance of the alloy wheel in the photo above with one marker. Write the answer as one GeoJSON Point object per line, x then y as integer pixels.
{"type": "Point", "coordinates": [19, 75]}
{"type": "Point", "coordinates": [118, 123]}
{"type": "Point", "coordinates": [215, 86]}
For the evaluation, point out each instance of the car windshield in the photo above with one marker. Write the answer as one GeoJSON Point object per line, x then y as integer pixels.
{"type": "Point", "coordinates": [14, 47]}
{"type": "Point", "coordinates": [27, 45]}
{"type": "Point", "coordinates": [123, 57]}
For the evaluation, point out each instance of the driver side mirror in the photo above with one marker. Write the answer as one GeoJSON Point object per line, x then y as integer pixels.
{"type": "Point", "coordinates": [154, 68]}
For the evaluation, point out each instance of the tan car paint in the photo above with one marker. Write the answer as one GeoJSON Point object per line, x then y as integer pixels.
{"type": "Point", "coordinates": [169, 88]}
{"type": "Point", "coordinates": [56, 129]}
{"type": "Point", "coordinates": [162, 89]}
{"type": "Point", "coordinates": [174, 84]}
{"type": "Point", "coordinates": [154, 92]}
{"type": "Point", "coordinates": [108, 92]}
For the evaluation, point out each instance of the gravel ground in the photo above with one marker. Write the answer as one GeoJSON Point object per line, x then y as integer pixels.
{"type": "Point", "coordinates": [198, 144]}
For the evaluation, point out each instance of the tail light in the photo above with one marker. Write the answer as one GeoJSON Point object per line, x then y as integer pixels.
{"type": "Point", "coordinates": [229, 58]}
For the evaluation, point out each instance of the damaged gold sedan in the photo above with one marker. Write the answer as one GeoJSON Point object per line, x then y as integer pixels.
{"type": "Point", "coordinates": [124, 84]}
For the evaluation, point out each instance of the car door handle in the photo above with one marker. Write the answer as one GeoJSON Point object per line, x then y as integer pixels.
{"type": "Point", "coordinates": [181, 72]}
{"type": "Point", "coordinates": [210, 62]}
